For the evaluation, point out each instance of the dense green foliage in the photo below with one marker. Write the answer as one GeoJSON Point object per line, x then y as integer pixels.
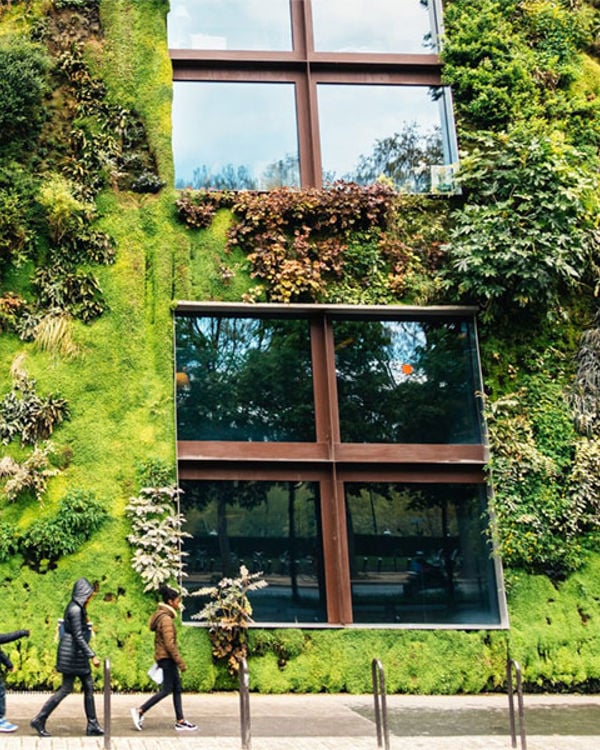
{"type": "Point", "coordinates": [94, 247]}
{"type": "Point", "coordinates": [23, 84]}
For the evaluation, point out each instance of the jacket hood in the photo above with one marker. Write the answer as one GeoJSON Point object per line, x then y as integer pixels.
{"type": "Point", "coordinates": [82, 590]}
{"type": "Point", "coordinates": [163, 609]}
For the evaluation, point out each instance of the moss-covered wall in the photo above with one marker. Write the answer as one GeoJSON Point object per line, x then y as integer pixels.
{"type": "Point", "coordinates": [118, 384]}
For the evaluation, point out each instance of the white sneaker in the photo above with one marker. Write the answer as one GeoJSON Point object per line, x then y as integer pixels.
{"type": "Point", "coordinates": [185, 726]}
{"type": "Point", "coordinates": [6, 726]}
{"type": "Point", "coordinates": [137, 718]}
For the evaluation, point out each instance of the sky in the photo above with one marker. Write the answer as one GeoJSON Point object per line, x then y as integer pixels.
{"type": "Point", "coordinates": [340, 25]}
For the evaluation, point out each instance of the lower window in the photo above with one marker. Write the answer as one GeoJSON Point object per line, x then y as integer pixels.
{"type": "Point", "coordinates": [418, 554]}
{"type": "Point", "coordinates": [272, 527]}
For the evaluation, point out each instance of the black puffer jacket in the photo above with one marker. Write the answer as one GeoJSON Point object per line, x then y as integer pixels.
{"type": "Point", "coordinates": [8, 638]}
{"type": "Point", "coordinates": [74, 653]}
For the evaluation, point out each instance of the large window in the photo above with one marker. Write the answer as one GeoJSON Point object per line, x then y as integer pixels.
{"type": "Point", "coordinates": [305, 92]}
{"type": "Point", "coordinates": [339, 450]}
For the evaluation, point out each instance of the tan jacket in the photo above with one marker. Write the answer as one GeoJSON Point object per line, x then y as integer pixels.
{"type": "Point", "coordinates": [162, 623]}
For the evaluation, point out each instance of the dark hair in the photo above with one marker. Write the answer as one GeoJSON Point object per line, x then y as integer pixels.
{"type": "Point", "coordinates": [167, 593]}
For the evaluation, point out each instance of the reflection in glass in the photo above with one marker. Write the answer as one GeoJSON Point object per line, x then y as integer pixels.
{"type": "Point", "coordinates": [408, 381]}
{"type": "Point", "coordinates": [419, 554]}
{"type": "Point", "coordinates": [243, 379]}
{"type": "Point", "coordinates": [273, 527]}
{"type": "Point", "coordinates": [230, 24]}
{"type": "Point", "coordinates": [234, 136]}
{"type": "Point", "coordinates": [371, 26]}
{"type": "Point", "coordinates": [394, 131]}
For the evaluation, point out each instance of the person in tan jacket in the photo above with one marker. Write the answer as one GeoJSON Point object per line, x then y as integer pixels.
{"type": "Point", "coordinates": [168, 658]}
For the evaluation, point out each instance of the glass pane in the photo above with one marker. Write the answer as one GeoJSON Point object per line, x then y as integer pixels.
{"type": "Point", "coordinates": [273, 527]}
{"type": "Point", "coordinates": [408, 381]}
{"type": "Point", "coordinates": [234, 136]}
{"type": "Point", "coordinates": [372, 26]}
{"type": "Point", "coordinates": [397, 132]}
{"type": "Point", "coordinates": [230, 24]}
{"type": "Point", "coordinates": [244, 379]}
{"type": "Point", "coordinates": [419, 554]}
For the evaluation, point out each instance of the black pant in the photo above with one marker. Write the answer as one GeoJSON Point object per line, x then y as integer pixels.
{"type": "Point", "coordinates": [171, 684]}
{"type": "Point", "coordinates": [67, 687]}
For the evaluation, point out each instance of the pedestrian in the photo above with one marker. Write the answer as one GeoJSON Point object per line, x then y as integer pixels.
{"type": "Point", "coordinates": [5, 725]}
{"type": "Point", "coordinates": [73, 660]}
{"type": "Point", "coordinates": [168, 658]}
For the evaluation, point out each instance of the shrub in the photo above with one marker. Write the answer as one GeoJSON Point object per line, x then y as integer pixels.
{"type": "Point", "coordinates": [76, 292]}
{"type": "Point", "coordinates": [156, 536]}
{"type": "Point", "coordinates": [31, 475]}
{"type": "Point", "coordinates": [228, 615]}
{"type": "Point", "coordinates": [25, 415]}
{"type": "Point", "coordinates": [46, 541]}
{"type": "Point", "coordinates": [15, 234]}
{"type": "Point", "coordinates": [23, 84]}
{"type": "Point", "coordinates": [527, 231]}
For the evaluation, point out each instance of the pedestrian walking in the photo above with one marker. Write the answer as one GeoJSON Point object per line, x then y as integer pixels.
{"type": "Point", "coordinates": [168, 658]}
{"type": "Point", "coordinates": [5, 725]}
{"type": "Point", "coordinates": [73, 660]}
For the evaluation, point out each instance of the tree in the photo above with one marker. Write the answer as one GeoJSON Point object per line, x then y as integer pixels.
{"type": "Point", "coordinates": [403, 157]}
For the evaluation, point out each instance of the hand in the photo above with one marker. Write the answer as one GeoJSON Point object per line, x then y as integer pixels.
{"type": "Point", "coordinates": [183, 667]}
{"type": "Point", "coordinates": [26, 634]}
{"type": "Point", "coordinates": [95, 661]}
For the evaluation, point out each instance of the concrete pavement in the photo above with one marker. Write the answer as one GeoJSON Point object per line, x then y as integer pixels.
{"type": "Point", "coordinates": [315, 722]}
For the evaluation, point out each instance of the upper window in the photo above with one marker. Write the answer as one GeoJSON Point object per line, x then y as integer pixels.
{"type": "Point", "coordinates": [340, 451]}
{"type": "Point", "coordinates": [270, 93]}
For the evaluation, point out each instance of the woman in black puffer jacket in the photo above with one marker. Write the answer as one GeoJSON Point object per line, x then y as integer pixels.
{"type": "Point", "coordinates": [73, 660]}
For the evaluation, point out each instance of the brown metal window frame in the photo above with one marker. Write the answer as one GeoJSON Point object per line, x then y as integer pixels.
{"type": "Point", "coordinates": [327, 460]}
{"type": "Point", "coordinates": [307, 68]}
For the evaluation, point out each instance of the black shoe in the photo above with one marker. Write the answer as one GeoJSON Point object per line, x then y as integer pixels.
{"type": "Point", "coordinates": [94, 729]}
{"type": "Point", "coordinates": [40, 727]}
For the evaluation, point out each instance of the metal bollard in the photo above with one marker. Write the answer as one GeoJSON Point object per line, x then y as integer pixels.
{"type": "Point", "coordinates": [510, 664]}
{"type": "Point", "coordinates": [107, 694]}
{"type": "Point", "coordinates": [244, 704]}
{"type": "Point", "coordinates": [379, 697]}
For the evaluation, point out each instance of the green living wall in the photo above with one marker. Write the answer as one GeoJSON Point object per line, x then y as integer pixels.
{"type": "Point", "coordinates": [95, 246]}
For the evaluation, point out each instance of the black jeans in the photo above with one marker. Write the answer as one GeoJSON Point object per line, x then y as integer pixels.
{"type": "Point", "coordinates": [67, 687]}
{"type": "Point", "coordinates": [171, 684]}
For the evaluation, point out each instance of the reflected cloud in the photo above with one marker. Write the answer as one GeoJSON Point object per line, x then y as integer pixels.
{"type": "Point", "coordinates": [230, 24]}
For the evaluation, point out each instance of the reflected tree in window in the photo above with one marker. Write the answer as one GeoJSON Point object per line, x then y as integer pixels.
{"type": "Point", "coordinates": [406, 382]}
{"type": "Point", "coordinates": [404, 158]}
{"type": "Point", "coordinates": [245, 379]}
{"type": "Point", "coordinates": [282, 173]}
{"type": "Point", "coordinates": [230, 177]}
{"type": "Point", "coordinates": [273, 527]}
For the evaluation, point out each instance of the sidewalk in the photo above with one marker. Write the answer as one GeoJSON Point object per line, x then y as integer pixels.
{"type": "Point", "coordinates": [316, 722]}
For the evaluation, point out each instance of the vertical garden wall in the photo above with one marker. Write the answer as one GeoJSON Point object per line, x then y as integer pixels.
{"type": "Point", "coordinates": [95, 247]}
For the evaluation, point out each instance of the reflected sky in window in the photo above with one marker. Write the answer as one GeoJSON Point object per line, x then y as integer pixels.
{"type": "Point", "coordinates": [230, 24]}
{"type": "Point", "coordinates": [234, 136]}
{"type": "Point", "coordinates": [371, 26]}
{"type": "Point", "coordinates": [369, 131]}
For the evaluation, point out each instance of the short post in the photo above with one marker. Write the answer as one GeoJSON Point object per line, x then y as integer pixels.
{"type": "Point", "coordinates": [510, 665]}
{"type": "Point", "coordinates": [379, 697]}
{"type": "Point", "coordinates": [107, 704]}
{"type": "Point", "coordinates": [243, 675]}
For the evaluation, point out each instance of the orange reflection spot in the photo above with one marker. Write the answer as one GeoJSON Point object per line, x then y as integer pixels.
{"type": "Point", "coordinates": [407, 369]}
